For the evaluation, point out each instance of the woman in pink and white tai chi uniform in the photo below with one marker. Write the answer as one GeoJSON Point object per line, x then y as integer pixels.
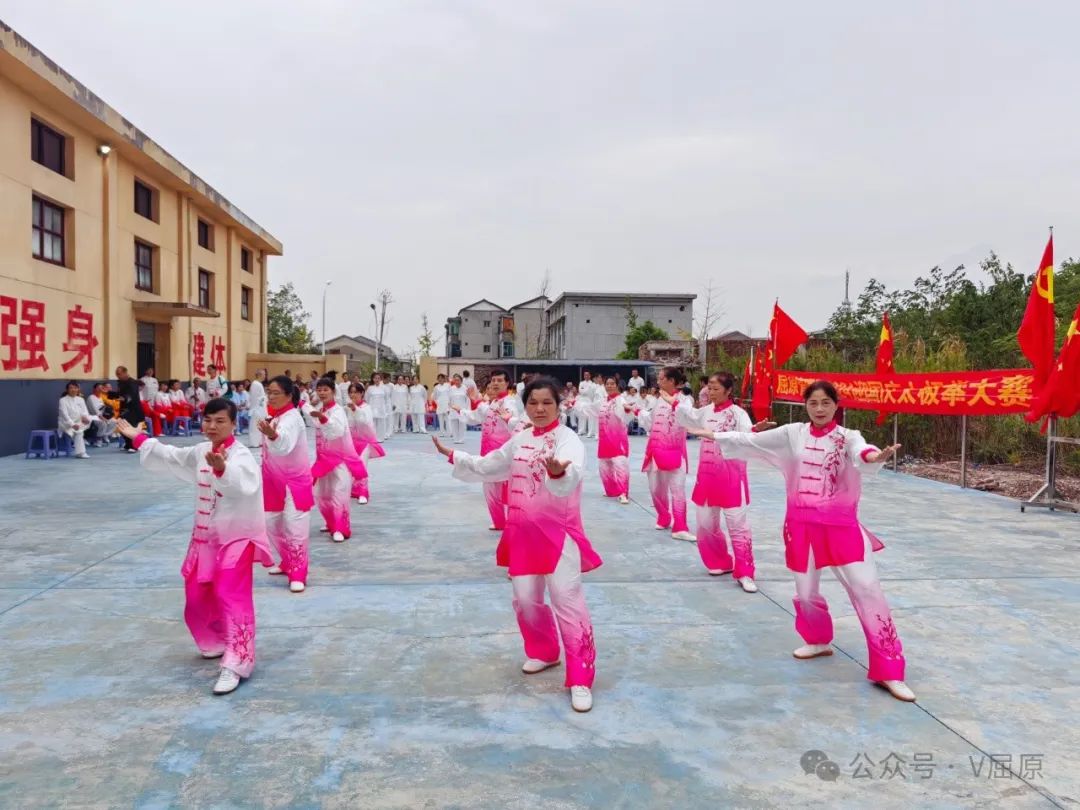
{"type": "Point", "coordinates": [228, 537]}
{"type": "Point", "coordinates": [336, 462]}
{"type": "Point", "coordinates": [499, 417]}
{"type": "Point", "coordinates": [365, 439]}
{"type": "Point", "coordinates": [722, 489]}
{"type": "Point", "coordinates": [286, 472]}
{"type": "Point", "coordinates": [823, 464]}
{"type": "Point", "coordinates": [613, 449]}
{"type": "Point", "coordinates": [665, 455]}
{"type": "Point", "coordinates": [544, 544]}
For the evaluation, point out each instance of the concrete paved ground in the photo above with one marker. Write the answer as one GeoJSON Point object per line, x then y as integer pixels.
{"type": "Point", "coordinates": [394, 681]}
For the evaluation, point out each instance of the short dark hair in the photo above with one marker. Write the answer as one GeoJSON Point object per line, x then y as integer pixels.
{"type": "Point", "coordinates": [211, 366]}
{"type": "Point", "coordinates": [825, 387]}
{"type": "Point", "coordinates": [725, 378]}
{"type": "Point", "coordinates": [325, 382]}
{"type": "Point", "coordinates": [356, 388]}
{"type": "Point", "coordinates": [675, 374]}
{"type": "Point", "coordinates": [218, 404]}
{"type": "Point", "coordinates": [499, 372]}
{"type": "Point", "coordinates": [536, 383]}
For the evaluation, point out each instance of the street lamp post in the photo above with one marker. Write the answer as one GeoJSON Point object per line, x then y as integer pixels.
{"type": "Point", "coordinates": [325, 288]}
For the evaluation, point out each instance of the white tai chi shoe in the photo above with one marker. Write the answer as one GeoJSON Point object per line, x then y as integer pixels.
{"type": "Point", "coordinates": [660, 528]}
{"type": "Point", "coordinates": [899, 690]}
{"type": "Point", "coordinates": [720, 572]}
{"type": "Point", "coordinates": [748, 584]}
{"type": "Point", "coordinates": [210, 656]}
{"type": "Point", "coordinates": [534, 665]}
{"type": "Point", "coordinates": [297, 587]}
{"type": "Point", "coordinates": [338, 537]}
{"type": "Point", "coordinates": [807, 651]}
{"type": "Point", "coordinates": [581, 698]}
{"type": "Point", "coordinates": [83, 455]}
{"type": "Point", "coordinates": [623, 499]}
{"type": "Point", "coordinates": [361, 500]}
{"type": "Point", "coordinates": [227, 681]}
{"type": "Point", "coordinates": [689, 538]}
{"type": "Point", "coordinates": [274, 570]}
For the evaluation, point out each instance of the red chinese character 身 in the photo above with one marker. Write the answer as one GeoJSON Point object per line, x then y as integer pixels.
{"type": "Point", "coordinates": [80, 339]}
{"type": "Point", "coordinates": [217, 354]}
{"type": "Point", "coordinates": [198, 355]}
{"type": "Point", "coordinates": [8, 319]}
{"type": "Point", "coordinates": [32, 335]}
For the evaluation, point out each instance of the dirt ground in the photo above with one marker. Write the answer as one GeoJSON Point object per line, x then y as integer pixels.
{"type": "Point", "coordinates": [1005, 479]}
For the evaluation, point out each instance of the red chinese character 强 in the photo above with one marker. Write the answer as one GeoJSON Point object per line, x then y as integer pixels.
{"type": "Point", "coordinates": [80, 339]}
{"type": "Point", "coordinates": [8, 319]}
{"type": "Point", "coordinates": [198, 354]}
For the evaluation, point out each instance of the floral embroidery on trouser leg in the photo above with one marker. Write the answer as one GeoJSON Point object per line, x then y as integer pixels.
{"type": "Point", "coordinates": [232, 587]}
{"type": "Point", "coordinates": [615, 476]}
{"type": "Point", "coordinates": [738, 524]}
{"type": "Point", "coordinates": [288, 532]}
{"type": "Point", "coordinates": [332, 496]}
{"type": "Point", "coordinates": [572, 614]}
{"type": "Point", "coordinates": [712, 545]}
{"type": "Point", "coordinates": [884, 650]}
{"type": "Point", "coordinates": [535, 619]}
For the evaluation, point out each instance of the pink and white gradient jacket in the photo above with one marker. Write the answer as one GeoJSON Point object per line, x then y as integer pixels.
{"type": "Point", "coordinates": [615, 416]}
{"type": "Point", "coordinates": [362, 427]}
{"type": "Point", "coordinates": [228, 507]}
{"type": "Point", "coordinates": [334, 443]}
{"type": "Point", "coordinates": [666, 448]}
{"type": "Point", "coordinates": [823, 468]}
{"type": "Point", "coordinates": [541, 511]}
{"type": "Point", "coordinates": [286, 465]}
{"type": "Point", "coordinates": [720, 482]}
{"type": "Point", "coordinates": [499, 420]}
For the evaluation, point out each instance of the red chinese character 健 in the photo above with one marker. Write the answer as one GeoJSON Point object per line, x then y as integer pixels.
{"type": "Point", "coordinates": [198, 355]}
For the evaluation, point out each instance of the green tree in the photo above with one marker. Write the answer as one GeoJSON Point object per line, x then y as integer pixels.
{"type": "Point", "coordinates": [426, 339]}
{"type": "Point", "coordinates": [637, 335]}
{"type": "Point", "coordinates": [287, 331]}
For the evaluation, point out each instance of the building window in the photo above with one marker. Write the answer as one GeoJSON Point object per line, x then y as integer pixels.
{"type": "Point", "coordinates": [487, 349]}
{"type": "Point", "coordinates": [487, 324]}
{"type": "Point", "coordinates": [144, 266]}
{"type": "Point", "coordinates": [245, 259]}
{"type": "Point", "coordinates": [508, 350]}
{"type": "Point", "coordinates": [245, 303]}
{"type": "Point", "coordinates": [205, 286]}
{"type": "Point", "coordinates": [206, 235]}
{"type": "Point", "coordinates": [145, 201]}
{"type": "Point", "coordinates": [48, 232]}
{"type": "Point", "coordinates": [47, 147]}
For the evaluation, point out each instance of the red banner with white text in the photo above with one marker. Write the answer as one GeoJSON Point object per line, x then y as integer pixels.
{"type": "Point", "coordinates": [952, 393]}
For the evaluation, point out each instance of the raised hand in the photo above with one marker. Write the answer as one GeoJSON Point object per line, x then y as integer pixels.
{"type": "Point", "coordinates": [267, 430]}
{"type": "Point", "coordinates": [216, 461]}
{"type": "Point", "coordinates": [701, 433]}
{"type": "Point", "coordinates": [125, 429]}
{"type": "Point", "coordinates": [764, 424]}
{"type": "Point", "coordinates": [555, 467]}
{"type": "Point", "coordinates": [442, 448]}
{"type": "Point", "coordinates": [881, 456]}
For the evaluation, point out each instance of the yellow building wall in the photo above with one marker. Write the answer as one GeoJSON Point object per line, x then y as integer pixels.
{"type": "Point", "coordinates": [102, 227]}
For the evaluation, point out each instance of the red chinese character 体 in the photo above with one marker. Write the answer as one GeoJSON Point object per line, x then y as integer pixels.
{"type": "Point", "coordinates": [8, 319]}
{"type": "Point", "coordinates": [80, 339]}
{"type": "Point", "coordinates": [217, 354]}
{"type": "Point", "coordinates": [198, 355]}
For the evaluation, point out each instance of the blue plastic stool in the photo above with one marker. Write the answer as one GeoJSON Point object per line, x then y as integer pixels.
{"type": "Point", "coordinates": [48, 445]}
{"type": "Point", "coordinates": [64, 445]}
{"type": "Point", "coordinates": [181, 423]}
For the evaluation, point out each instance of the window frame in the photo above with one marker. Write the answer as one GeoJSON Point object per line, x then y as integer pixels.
{"type": "Point", "coordinates": [38, 129]}
{"type": "Point", "coordinates": [139, 243]}
{"type": "Point", "coordinates": [38, 231]}
{"type": "Point", "coordinates": [209, 290]}
{"type": "Point", "coordinates": [151, 200]}
{"type": "Point", "coordinates": [209, 243]}
{"type": "Point", "coordinates": [247, 266]}
{"type": "Point", "coordinates": [245, 303]}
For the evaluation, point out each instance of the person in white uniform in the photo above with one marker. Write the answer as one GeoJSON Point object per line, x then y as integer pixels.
{"type": "Point", "coordinates": [73, 418]}
{"type": "Point", "coordinates": [418, 400]}
{"type": "Point", "coordinates": [399, 403]}
{"type": "Point", "coordinates": [441, 395]}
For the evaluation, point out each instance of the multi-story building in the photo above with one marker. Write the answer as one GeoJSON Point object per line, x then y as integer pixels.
{"type": "Point", "coordinates": [359, 352]}
{"type": "Point", "coordinates": [530, 327]}
{"type": "Point", "coordinates": [480, 330]}
{"type": "Point", "coordinates": [588, 326]}
{"type": "Point", "coordinates": [132, 258]}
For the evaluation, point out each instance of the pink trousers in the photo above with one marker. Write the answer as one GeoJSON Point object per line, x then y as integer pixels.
{"type": "Point", "coordinates": [288, 532]}
{"type": "Point", "coordinates": [360, 485]}
{"type": "Point", "coordinates": [860, 580]}
{"type": "Point", "coordinates": [332, 498]}
{"type": "Point", "coordinates": [495, 496]}
{"type": "Point", "coordinates": [537, 621]}
{"type": "Point", "coordinates": [713, 545]}
{"type": "Point", "coordinates": [668, 490]}
{"type": "Point", "coordinates": [615, 476]}
{"type": "Point", "coordinates": [221, 614]}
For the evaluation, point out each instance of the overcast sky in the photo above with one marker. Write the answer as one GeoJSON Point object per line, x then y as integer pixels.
{"type": "Point", "coordinates": [451, 151]}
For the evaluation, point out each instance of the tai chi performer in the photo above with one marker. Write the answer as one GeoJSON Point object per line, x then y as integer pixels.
{"type": "Point", "coordinates": [418, 400]}
{"type": "Point", "coordinates": [823, 464]}
{"type": "Point", "coordinates": [665, 455]}
{"type": "Point", "coordinates": [286, 472]}
{"type": "Point", "coordinates": [613, 449]}
{"type": "Point", "coordinates": [722, 490]}
{"type": "Point", "coordinates": [258, 403]}
{"type": "Point", "coordinates": [587, 406]}
{"type": "Point", "coordinates": [228, 538]}
{"type": "Point", "coordinates": [458, 401]}
{"type": "Point", "coordinates": [336, 462]}
{"type": "Point", "coordinates": [499, 417]}
{"type": "Point", "coordinates": [544, 544]}
{"type": "Point", "coordinates": [441, 394]}
{"type": "Point", "coordinates": [399, 401]}
{"type": "Point", "coordinates": [378, 396]}
{"type": "Point", "coordinates": [365, 439]}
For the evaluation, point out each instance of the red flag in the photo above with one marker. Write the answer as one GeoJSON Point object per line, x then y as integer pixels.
{"type": "Point", "coordinates": [785, 336]}
{"type": "Point", "coordinates": [1061, 393]}
{"type": "Point", "coordinates": [885, 357]}
{"type": "Point", "coordinates": [1036, 333]}
{"type": "Point", "coordinates": [747, 372]}
{"type": "Point", "coordinates": [762, 401]}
